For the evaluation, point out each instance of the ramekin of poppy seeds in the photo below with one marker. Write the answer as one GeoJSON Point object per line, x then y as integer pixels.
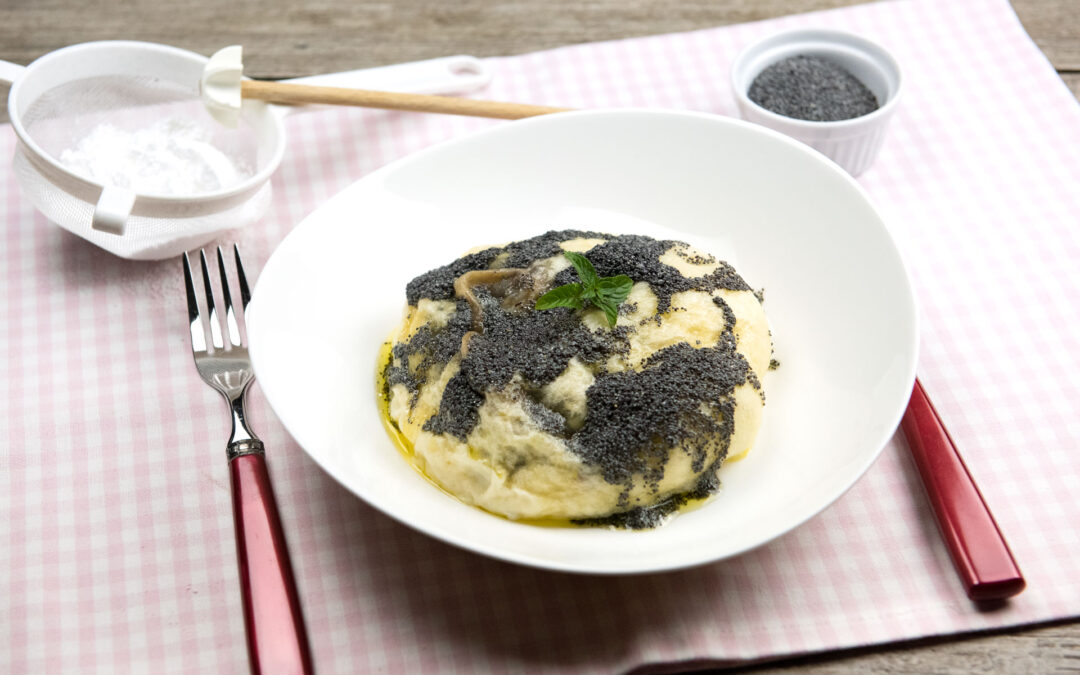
{"type": "Point", "coordinates": [811, 88]}
{"type": "Point", "coordinates": [568, 414]}
{"type": "Point", "coordinates": [831, 90]}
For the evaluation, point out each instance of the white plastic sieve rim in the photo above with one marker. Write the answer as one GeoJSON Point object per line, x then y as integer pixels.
{"type": "Point", "coordinates": [145, 203]}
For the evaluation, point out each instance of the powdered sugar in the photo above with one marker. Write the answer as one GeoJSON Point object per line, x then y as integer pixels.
{"type": "Point", "coordinates": [173, 156]}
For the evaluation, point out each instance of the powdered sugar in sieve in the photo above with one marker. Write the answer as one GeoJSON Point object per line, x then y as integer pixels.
{"type": "Point", "coordinates": [173, 156]}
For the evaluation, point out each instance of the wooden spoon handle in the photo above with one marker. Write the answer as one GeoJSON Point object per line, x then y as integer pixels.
{"type": "Point", "coordinates": [283, 92]}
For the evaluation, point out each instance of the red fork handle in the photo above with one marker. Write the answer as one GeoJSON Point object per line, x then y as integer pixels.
{"type": "Point", "coordinates": [979, 552]}
{"type": "Point", "coordinates": [276, 638]}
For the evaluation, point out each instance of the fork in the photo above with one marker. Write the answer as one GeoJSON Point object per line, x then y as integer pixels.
{"type": "Point", "coordinates": [276, 638]}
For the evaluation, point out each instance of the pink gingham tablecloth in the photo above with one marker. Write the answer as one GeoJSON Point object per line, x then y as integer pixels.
{"type": "Point", "coordinates": [116, 539]}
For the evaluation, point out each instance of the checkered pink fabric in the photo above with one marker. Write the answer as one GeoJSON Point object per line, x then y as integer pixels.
{"type": "Point", "coordinates": [116, 539]}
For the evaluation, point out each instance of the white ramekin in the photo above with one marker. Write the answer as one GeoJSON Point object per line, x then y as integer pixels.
{"type": "Point", "coordinates": [852, 143]}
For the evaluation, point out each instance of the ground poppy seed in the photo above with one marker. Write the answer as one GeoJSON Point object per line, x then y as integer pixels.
{"type": "Point", "coordinates": [812, 88]}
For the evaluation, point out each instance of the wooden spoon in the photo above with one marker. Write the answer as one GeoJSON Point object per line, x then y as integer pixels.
{"type": "Point", "coordinates": [295, 94]}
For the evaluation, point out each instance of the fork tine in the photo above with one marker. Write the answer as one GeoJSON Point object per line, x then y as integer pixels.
{"type": "Point", "coordinates": [215, 326]}
{"type": "Point", "coordinates": [230, 316]}
{"type": "Point", "coordinates": [198, 333]}
{"type": "Point", "coordinates": [245, 294]}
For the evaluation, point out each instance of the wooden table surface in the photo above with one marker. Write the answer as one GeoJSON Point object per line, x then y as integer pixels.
{"type": "Point", "coordinates": [288, 39]}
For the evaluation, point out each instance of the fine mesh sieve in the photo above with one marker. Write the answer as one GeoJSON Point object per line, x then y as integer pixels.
{"type": "Point", "coordinates": [116, 145]}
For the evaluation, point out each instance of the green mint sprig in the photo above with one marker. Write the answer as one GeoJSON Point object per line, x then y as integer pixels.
{"type": "Point", "coordinates": [607, 293]}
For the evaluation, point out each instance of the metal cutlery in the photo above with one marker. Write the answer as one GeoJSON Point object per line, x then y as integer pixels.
{"type": "Point", "coordinates": [276, 638]}
{"type": "Point", "coordinates": [978, 550]}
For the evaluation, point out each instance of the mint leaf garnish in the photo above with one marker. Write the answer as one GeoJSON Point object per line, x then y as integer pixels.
{"type": "Point", "coordinates": [605, 293]}
{"type": "Point", "coordinates": [611, 311]}
{"type": "Point", "coordinates": [585, 271]}
{"type": "Point", "coordinates": [563, 296]}
{"type": "Point", "coordinates": [614, 289]}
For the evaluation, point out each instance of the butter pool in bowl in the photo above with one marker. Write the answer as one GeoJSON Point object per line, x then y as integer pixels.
{"type": "Point", "coordinates": [839, 302]}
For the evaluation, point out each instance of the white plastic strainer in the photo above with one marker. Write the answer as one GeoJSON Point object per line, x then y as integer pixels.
{"type": "Point", "coordinates": [115, 143]}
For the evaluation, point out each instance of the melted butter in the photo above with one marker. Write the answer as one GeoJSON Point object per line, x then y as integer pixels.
{"type": "Point", "coordinates": [382, 395]}
{"type": "Point", "coordinates": [735, 458]}
{"type": "Point", "coordinates": [405, 447]}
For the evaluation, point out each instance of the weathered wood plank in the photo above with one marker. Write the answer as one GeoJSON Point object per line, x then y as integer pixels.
{"type": "Point", "coordinates": [1055, 27]}
{"type": "Point", "coordinates": [1073, 80]}
{"type": "Point", "coordinates": [1047, 649]}
{"type": "Point", "coordinates": [287, 39]}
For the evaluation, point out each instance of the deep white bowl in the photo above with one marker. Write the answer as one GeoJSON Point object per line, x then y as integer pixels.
{"type": "Point", "coordinates": [836, 292]}
{"type": "Point", "coordinates": [852, 143]}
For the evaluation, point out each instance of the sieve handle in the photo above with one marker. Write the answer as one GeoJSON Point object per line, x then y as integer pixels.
{"type": "Point", "coordinates": [112, 210]}
{"type": "Point", "coordinates": [10, 72]}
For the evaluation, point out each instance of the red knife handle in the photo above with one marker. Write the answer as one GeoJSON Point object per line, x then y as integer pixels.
{"type": "Point", "coordinates": [979, 552]}
{"type": "Point", "coordinates": [276, 638]}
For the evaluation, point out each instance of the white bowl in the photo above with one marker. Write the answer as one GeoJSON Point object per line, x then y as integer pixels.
{"type": "Point", "coordinates": [836, 291]}
{"type": "Point", "coordinates": [852, 143]}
